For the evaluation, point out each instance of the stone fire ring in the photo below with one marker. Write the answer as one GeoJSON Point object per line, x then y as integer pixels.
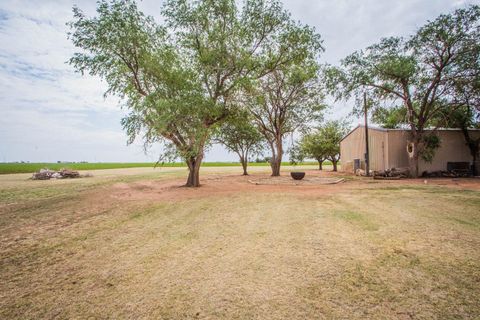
{"type": "Point", "coordinates": [287, 180]}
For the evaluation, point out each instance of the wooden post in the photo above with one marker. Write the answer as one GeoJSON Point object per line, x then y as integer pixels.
{"type": "Point", "coordinates": [367, 155]}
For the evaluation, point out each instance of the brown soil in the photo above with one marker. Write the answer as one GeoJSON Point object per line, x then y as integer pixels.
{"type": "Point", "coordinates": [220, 184]}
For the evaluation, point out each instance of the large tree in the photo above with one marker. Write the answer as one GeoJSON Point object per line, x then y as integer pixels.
{"type": "Point", "coordinates": [287, 100]}
{"type": "Point", "coordinates": [240, 136]}
{"type": "Point", "coordinates": [177, 79]}
{"type": "Point", "coordinates": [421, 72]}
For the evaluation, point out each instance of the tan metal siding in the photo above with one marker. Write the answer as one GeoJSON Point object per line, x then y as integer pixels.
{"type": "Point", "coordinates": [452, 149]}
{"type": "Point", "coordinates": [376, 141]}
{"type": "Point", "coordinates": [397, 149]}
{"type": "Point", "coordinates": [388, 149]}
{"type": "Point", "coordinates": [353, 147]}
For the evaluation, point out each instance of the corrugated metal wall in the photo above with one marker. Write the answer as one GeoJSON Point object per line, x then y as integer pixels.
{"type": "Point", "coordinates": [377, 140]}
{"type": "Point", "coordinates": [452, 149]}
{"type": "Point", "coordinates": [397, 155]}
{"type": "Point", "coordinates": [353, 147]}
{"type": "Point", "coordinates": [388, 149]}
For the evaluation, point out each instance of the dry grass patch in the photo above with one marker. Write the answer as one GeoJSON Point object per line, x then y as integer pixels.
{"type": "Point", "coordinates": [395, 252]}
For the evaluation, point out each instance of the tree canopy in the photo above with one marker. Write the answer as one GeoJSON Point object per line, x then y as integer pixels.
{"type": "Point", "coordinates": [321, 144]}
{"type": "Point", "coordinates": [331, 133]}
{"type": "Point", "coordinates": [179, 79]}
{"type": "Point", "coordinates": [287, 100]}
{"type": "Point", "coordinates": [238, 134]}
{"type": "Point", "coordinates": [310, 146]}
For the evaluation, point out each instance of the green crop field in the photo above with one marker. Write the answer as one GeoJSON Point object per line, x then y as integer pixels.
{"type": "Point", "coordinates": [6, 168]}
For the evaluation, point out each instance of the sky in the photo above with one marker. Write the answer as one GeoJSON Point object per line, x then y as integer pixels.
{"type": "Point", "coordinates": [49, 113]}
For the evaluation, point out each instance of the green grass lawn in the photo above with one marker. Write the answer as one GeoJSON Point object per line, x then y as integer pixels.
{"type": "Point", "coordinates": [6, 168]}
{"type": "Point", "coordinates": [139, 246]}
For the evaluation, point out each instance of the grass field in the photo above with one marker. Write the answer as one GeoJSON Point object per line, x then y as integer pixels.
{"type": "Point", "coordinates": [7, 168]}
{"type": "Point", "coordinates": [130, 243]}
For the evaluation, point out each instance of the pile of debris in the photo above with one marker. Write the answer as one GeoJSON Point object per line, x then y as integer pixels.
{"type": "Point", "coordinates": [46, 174]}
{"type": "Point", "coordinates": [399, 173]}
{"type": "Point", "coordinates": [392, 174]}
{"type": "Point", "coordinates": [447, 174]}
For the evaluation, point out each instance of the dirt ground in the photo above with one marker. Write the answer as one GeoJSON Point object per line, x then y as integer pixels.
{"type": "Point", "coordinates": [134, 243]}
{"type": "Point", "coordinates": [225, 181]}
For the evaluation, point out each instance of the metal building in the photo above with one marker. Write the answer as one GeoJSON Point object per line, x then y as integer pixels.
{"type": "Point", "coordinates": [388, 149]}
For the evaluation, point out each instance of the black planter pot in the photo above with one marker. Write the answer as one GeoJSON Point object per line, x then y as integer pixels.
{"type": "Point", "coordinates": [297, 175]}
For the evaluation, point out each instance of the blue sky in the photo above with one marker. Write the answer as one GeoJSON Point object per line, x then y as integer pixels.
{"type": "Point", "coordinates": [50, 113]}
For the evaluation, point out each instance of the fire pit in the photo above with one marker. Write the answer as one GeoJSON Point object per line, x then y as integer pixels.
{"type": "Point", "coordinates": [297, 175]}
{"type": "Point", "coordinates": [287, 181]}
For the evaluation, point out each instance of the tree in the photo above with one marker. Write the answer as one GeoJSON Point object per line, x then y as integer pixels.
{"type": "Point", "coordinates": [311, 146]}
{"type": "Point", "coordinates": [296, 154]}
{"type": "Point", "coordinates": [238, 135]}
{"type": "Point", "coordinates": [178, 79]}
{"type": "Point", "coordinates": [288, 99]}
{"type": "Point", "coordinates": [421, 72]}
{"type": "Point", "coordinates": [321, 144]}
{"type": "Point", "coordinates": [330, 134]}
{"type": "Point", "coordinates": [390, 118]}
{"type": "Point", "coordinates": [466, 116]}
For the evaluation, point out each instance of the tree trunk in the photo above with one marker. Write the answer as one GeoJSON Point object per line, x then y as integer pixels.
{"type": "Point", "coordinates": [413, 164]}
{"type": "Point", "coordinates": [276, 162]}
{"type": "Point", "coordinates": [320, 162]}
{"type": "Point", "coordinates": [473, 145]}
{"type": "Point", "coordinates": [334, 162]}
{"type": "Point", "coordinates": [414, 156]}
{"type": "Point", "coordinates": [193, 164]}
{"type": "Point", "coordinates": [243, 160]}
{"type": "Point", "coordinates": [474, 166]}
